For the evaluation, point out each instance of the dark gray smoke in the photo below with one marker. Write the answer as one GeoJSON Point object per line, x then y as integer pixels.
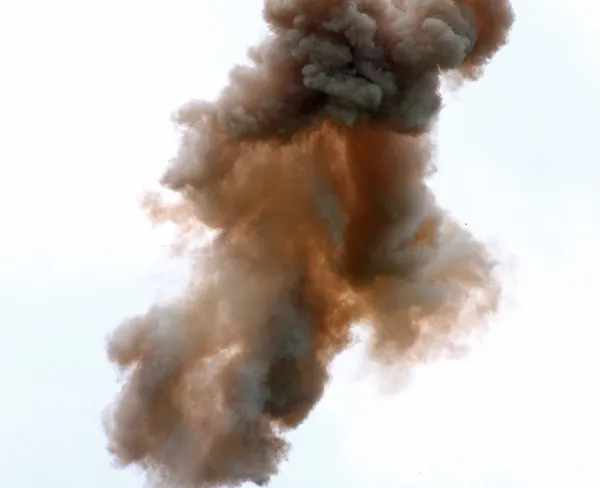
{"type": "Point", "coordinates": [311, 168]}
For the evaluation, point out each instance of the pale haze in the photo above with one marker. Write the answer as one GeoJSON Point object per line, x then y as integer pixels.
{"type": "Point", "coordinates": [85, 99]}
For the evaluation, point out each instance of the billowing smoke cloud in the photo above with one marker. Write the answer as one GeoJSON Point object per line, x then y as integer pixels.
{"type": "Point", "coordinates": [311, 168]}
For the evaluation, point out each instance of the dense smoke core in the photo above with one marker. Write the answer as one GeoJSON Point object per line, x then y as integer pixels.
{"type": "Point", "coordinates": [311, 168]}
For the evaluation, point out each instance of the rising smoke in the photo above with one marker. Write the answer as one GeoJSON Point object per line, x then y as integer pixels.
{"type": "Point", "coordinates": [311, 168]}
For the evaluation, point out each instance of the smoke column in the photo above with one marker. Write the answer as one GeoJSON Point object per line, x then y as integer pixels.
{"type": "Point", "coordinates": [311, 169]}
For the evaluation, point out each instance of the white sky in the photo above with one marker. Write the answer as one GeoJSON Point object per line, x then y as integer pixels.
{"type": "Point", "coordinates": [85, 94]}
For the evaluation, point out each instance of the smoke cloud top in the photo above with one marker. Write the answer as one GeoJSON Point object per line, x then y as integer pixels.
{"type": "Point", "coordinates": [311, 168]}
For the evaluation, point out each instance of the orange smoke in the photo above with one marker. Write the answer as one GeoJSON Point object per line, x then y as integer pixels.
{"type": "Point", "coordinates": [311, 168]}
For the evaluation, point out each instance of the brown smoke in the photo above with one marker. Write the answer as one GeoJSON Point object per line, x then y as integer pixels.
{"type": "Point", "coordinates": [311, 167]}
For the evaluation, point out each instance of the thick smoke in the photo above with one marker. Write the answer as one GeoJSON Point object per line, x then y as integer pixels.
{"type": "Point", "coordinates": [311, 168]}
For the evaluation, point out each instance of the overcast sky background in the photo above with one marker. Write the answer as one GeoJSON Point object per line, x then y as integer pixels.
{"type": "Point", "coordinates": [85, 96]}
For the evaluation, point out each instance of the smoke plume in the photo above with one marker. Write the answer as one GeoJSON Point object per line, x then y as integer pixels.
{"type": "Point", "coordinates": [311, 169]}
